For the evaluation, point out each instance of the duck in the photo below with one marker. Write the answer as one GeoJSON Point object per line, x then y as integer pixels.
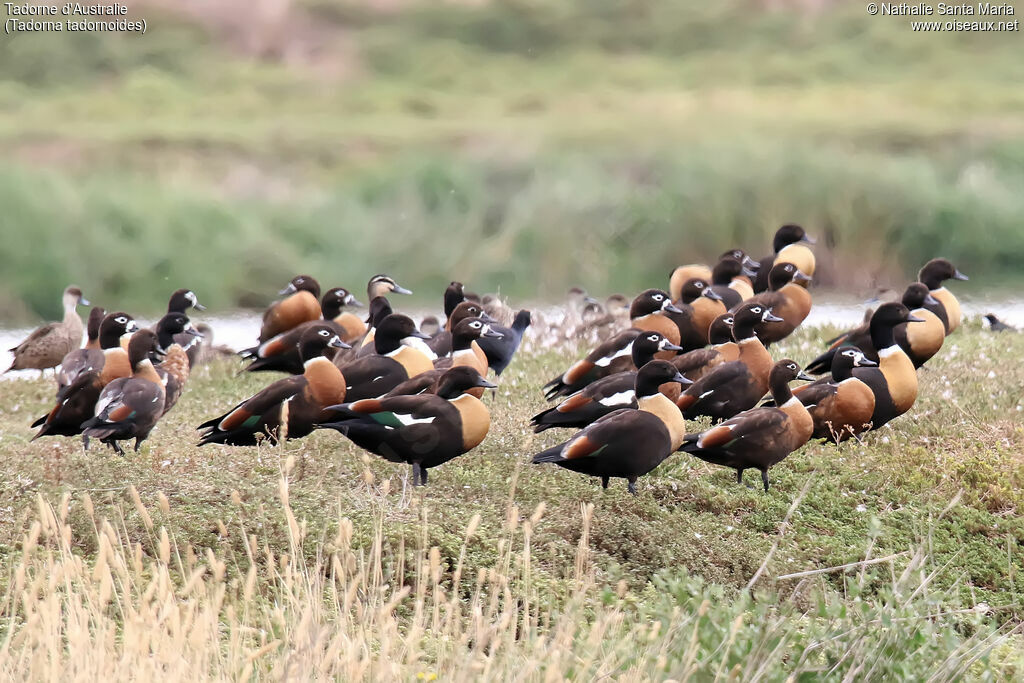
{"type": "Point", "coordinates": [379, 286]}
{"type": "Point", "coordinates": [894, 381]}
{"type": "Point", "coordinates": [841, 407]}
{"type": "Point", "coordinates": [614, 355]}
{"type": "Point", "coordinates": [789, 239]}
{"type": "Point", "coordinates": [454, 295]}
{"type": "Point", "coordinates": [207, 349]}
{"type": "Point", "coordinates": [626, 443]}
{"type": "Point", "coordinates": [296, 402]}
{"type": "Point", "coordinates": [997, 325]}
{"type": "Point", "coordinates": [730, 388]}
{"type": "Point", "coordinates": [281, 353]}
{"type": "Point", "coordinates": [190, 340]}
{"type": "Point", "coordinates": [174, 368]}
{"type": "Point", "coordinates": [394, 362]}
{"type": "Point", "coordinates": [680, 275]}
{"type": "Point", "coordinates": [698, 308]}
{"type": "Point", "coordinates": [649, 313]}
{"type": "Point", "coordinates": [79, 360]}
{"type": "Point", "coordinates": [608, 393]}
{"type": "Point", "coordinates": [730, 280]}
{"type": "Point", "coordinates": [933, 274]}
{"type": "Point", "coordinates": [425, 430]}
{"type": "Point", "coordinates": [430, 325]}
{"type": "Point", "coordinates": [441, 344]}
{"type": "Point", "coordinates": [92, 328]}
{"type": "Point", "coordinates": [919, 342]}
{"type": "Point", "coordinates": [91, 372]}
{"type": "Point", "coordinates": [761, 437]}
{"type": "Point", "coordinates": [465, 347]}
{"type": "Point", "coordinates": [500, 350]}
{"type": "Point", "coordinates": [696, 363]}
{"type": "Point", "coordinates": [129, 407]}
{"type": "Point", "coordinates": [48, 344]}
{"type": "Point", "coordinates": [788, 299]}
{"type": "Point", "coordinates": [301, 302]}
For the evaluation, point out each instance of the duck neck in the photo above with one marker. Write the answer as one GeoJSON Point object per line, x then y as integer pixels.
{"type": "Point", "coordinates": [841, 372]}
{"type": "Point", "coordinates": [145, 370]}
{"type": "Point", "coordinates": [882, 336]}
{"type": "Point", "coordinates": [744, 331]}
{"type": "Point", "coordinates": [385, 343]}
{"type": "Point", "coordinates": [781, 392]}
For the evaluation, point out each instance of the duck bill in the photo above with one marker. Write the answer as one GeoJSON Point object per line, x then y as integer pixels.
{"type": "Point", "coordinates": [748, 271]}
{"type": "Point", "coordinates": [769, 317]}
{"type": "Point", "coordinates": [290, 289]}
{"type": "Point", "coordinates": [485, 384]}
{"type": "Point", "coordinates": [493, 334]}
{"type": "Point", "coordinates": [670, 307]}
{"type": "Point", "coordinates": [132, 326]}
{"type": "Point", "coordinates": [931, 300]}
{"type": "Point", "coordinates": [799, 276]}
{"type": "Point", "coordinates": [590, 300]}
{"type": "Point", "coordinates": [957, 275]}
{"type": "Point", "coordinates": [808, 239]}
{"type": "Point", "coordinates": [194, 332]}
{"type": "Point", "coordinates": [751, 264]}
{"type": "Point", "coordinates": [804, 376]}
{"type": "Point", "coordinates": [399, 289]}
{"type": "Point", "coordinates": [914, 319]}
{"type": "Point", "coordinates": [354, 302]}
{"type": "Point", "coordinates": [336, 342]}
{"type": "Point", "coordinates": [712, 295]}
{"type": "Point", "coordinates": [486, 318]}
{"type": "Point", "coordinates": [863, 362]}
{"type": "Point", "coordinates": [419, 335]}
{"type": "Point", "coordinates": [198, 306]}
{"type": "Point", "coordinates": [666, 345]}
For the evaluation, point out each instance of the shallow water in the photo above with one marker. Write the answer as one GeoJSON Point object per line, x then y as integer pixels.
{"type": "Point", "coordinates": [239, 330]}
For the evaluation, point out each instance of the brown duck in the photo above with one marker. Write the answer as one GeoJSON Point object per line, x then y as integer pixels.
{"type": "Point", "coordinates": [76, 401]}
{"type": "Point", "coordinates": [842, 406]}
{"type": "Point", "coordinates": [129, 407]}
{"type": "Point", "coordinates": [281, 353]}
{"type": "Point", "coordinates": [608, 393]}
{"type": "Point", "coordinates": [626, 443]}
{"type": "Point", "coordinates": [731, 388]}
{"type": "Point", "coordinates": [296, 402]}
{"type": "Point", "coordinates": [791, 240]}
{"type": "Point", "coordinates": [787, 298]}
{"type": "Point", "coordinates": [933, 274]}
{"type": "Point", "coordinates": [614, 355]}
{"type": "Point", "coordinates": [47, 345]}
{"type": "Point", "coordinates": [758, 438]}
{"type": "Point", "coordinates": [301, 303]}
{"type": "Point", "coordinates": [425, 431]}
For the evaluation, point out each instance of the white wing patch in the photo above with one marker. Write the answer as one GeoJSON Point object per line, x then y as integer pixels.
{"type": "Point", "coordinates": [408, 420]}
{"type": "Point", "coordinates": [621, 398]}
{"type": "Point", "coordinates": [607, 360]}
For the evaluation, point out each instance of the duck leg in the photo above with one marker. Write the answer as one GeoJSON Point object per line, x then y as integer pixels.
{"type": "Point", "coordinates": [739, 476]}
{"type": "Point", "coordinates": [138, 442]}
{"type": "Point", "coordinates": [418, 475]}
{"type": "Point", "coordinates": [631, 486]}
{"type": "Point", "coordinates": [764, 479]}
{"type": "Point", "coordinates": [604, 482]}
{"type": "Point", "coordinates": [423, 475]}
{"type": "Point", "coordinates": [85, 442]}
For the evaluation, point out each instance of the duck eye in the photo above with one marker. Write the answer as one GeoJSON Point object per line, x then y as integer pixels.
{"type": "Point", "coordinates": [756, 309]}
{"type": "Point", "coordinates": [657, 297]}
{"type": "Point", "coordinates": [475, 325]}
{"type": "Point", "coordinates": [324, 333]}
{"type": "Point", "coordinates": [653, 338]}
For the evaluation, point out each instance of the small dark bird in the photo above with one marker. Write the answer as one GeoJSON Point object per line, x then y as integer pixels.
{"type": "Point", "coordinates": [997, 325]}
{"type": "Point", "coordinates": [626, 443]}
{"type": "Point", "coordinates": [499, 350]}
{"type": "Point", "coordinates": [761, 437]}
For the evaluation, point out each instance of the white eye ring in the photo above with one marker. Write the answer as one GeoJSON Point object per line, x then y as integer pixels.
{"type": "Point", "coordinates": [120, 319]}
{"type": "Point", "coordinates": [324, 333]}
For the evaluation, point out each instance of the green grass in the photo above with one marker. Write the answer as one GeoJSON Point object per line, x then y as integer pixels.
{"type": "Point", "coordinates": [551, 143]}
{"type": "Point", "coordinates": [938, 489]}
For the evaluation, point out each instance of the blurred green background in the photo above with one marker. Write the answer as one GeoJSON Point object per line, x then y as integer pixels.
{"type": "Point", "coordinates": [520, 145]}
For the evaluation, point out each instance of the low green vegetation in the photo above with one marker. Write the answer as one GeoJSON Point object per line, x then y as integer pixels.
{"type": "Point", "coordinates": [319, 559]}
{"type": "Point", "coordinates": [549, 143]}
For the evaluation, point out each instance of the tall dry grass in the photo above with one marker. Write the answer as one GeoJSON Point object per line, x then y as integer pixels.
{"type": "Point", "coordinates": [153, 609]}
